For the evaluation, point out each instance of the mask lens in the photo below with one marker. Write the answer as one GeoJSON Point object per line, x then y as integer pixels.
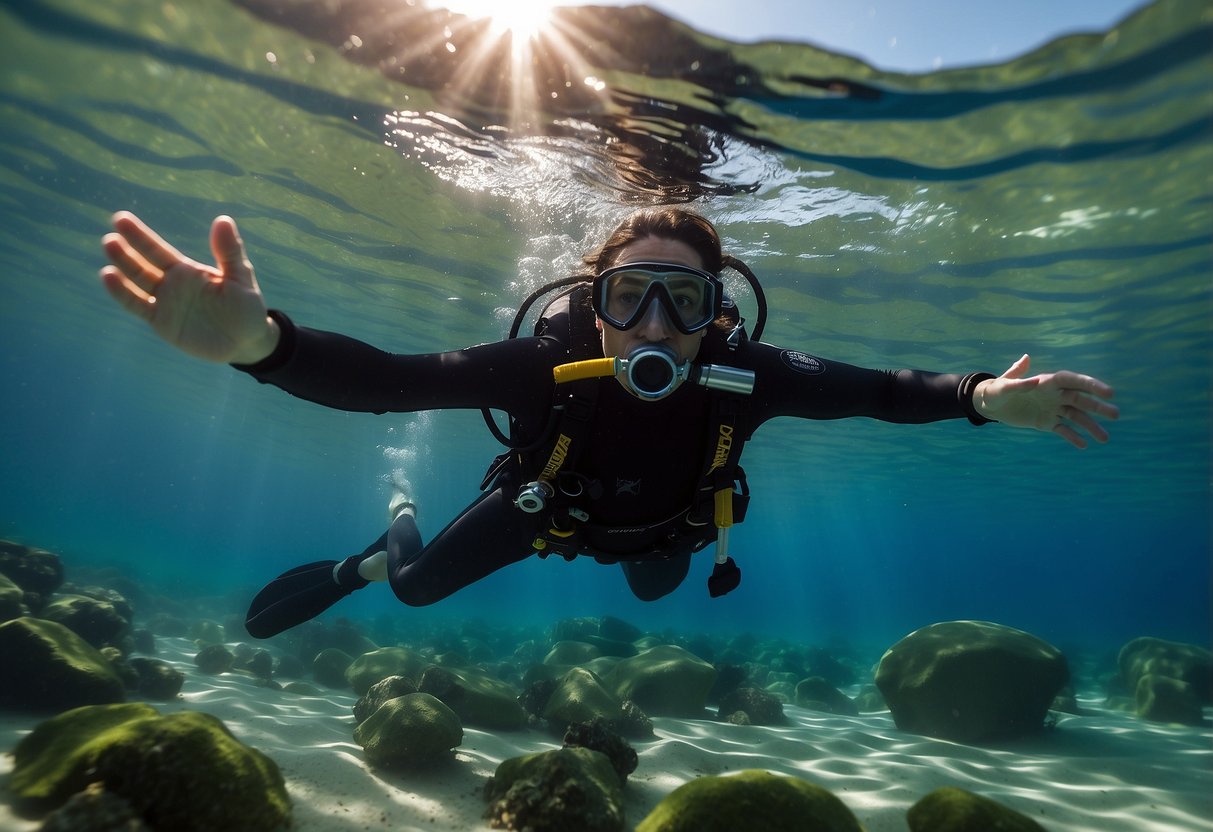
{"type": "Point", "coordinates": [623, 295]}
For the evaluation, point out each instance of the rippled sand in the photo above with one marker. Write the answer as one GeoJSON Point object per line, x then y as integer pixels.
{"type": "Point", "coordinates": [1105, 772]}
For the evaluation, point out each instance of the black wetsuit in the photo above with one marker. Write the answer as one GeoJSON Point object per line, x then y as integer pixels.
{"type": "Point", "coordinates": [647, 456]}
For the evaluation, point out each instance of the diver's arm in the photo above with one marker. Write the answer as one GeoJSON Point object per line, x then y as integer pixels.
{"type": "Point", "coordinates": [790, 383]}
{"type": "Point", "coordinates": [212, 312]}
{"type": "Point", "coordinates": [794, 384]}
{"type": "Point", "coordinates": [347, 374]}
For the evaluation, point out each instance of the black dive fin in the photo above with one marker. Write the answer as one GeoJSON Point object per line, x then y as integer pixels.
{"type": "Point", "coordinates": [294, 597]}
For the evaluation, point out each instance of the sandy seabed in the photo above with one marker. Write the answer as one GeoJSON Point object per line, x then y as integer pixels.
{"type": "Point", "coordinates": [1102, 772]}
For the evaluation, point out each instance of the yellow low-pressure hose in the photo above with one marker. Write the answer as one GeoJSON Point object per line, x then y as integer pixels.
{"type": "Point", "coordinates": [594, 368]}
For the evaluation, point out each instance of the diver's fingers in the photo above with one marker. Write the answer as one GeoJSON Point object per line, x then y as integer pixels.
{"type": "Point", "coordinates": [229, 252]}
{"type": "Point", "coordinates": [154, 249]}
{"type": "Point", "coordinates": [130, 263]}
{"type": "Point", "coordinates": [1084, 421]}
{"type": "Point", "coordinates": [1070, 435]}
{"type": "Point", "coordinates": [130, 297]}
{"type": "Point", "coordinates": [1071, 381]}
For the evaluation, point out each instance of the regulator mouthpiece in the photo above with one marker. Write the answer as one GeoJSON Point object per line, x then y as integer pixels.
{"type": "Point", "coordinates": [653, 372]}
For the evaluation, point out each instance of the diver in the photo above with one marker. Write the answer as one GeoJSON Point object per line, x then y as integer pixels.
{"type": "Point", "coordinates": [628, 408]}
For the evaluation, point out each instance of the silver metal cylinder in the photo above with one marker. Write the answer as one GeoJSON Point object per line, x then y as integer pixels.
{"type": "Point", "coordinates": [729, 379]}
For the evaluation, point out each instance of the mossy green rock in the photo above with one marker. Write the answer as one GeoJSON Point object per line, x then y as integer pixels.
{"type": "Point", "coordinates": [11, 597]}
{"type": "Point", "coordinates": [579, 697]}
{"type": "Point", "coordinates": [971, 681]}
{"type": "Point", "coordinates": [954, 810]}
{"type": "Point", "coordinates": [409, 730]}
{"type": "Point", "coordinates": [47, 667]}
{"type": "Point", "coordinates": [97, 622]}
{"type": "Point", "coordinates": [815, 693]}
{"type": "Point", "coordinates": [184, 771]}
{"type": "Point", "coordinates": [1189, 663]}
{"type": "Point", "coordinates": [567, 653]}
{"type": "Point", "coordinates": [330, 667]}
{"type": "Point", "coordinates": [377, 665]}
{"type": "Point", "coordinates": [664, 680]}
{"type": "Point", "coordinates": [756, 801]}
{"type": "Point", "coordinates": [566, 789]}
{"type": "Point", "coordinates": [478, 699]}
{"type": "Point", "coordinates": [1165, 699]}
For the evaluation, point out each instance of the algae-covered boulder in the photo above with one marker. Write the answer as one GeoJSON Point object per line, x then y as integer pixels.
{"type": "Point", "coordinates": [1164, 699]}
{"type": "Point", "coordinates": [12, 599]}
{"type": "Point", "coordinates": [598, 735]}
{"type": "Point", "coordinates": [478, 699]}
{"type": "Point", "coordinates": [664, 680]}
{"type": "Point", "coordinates": [756, 801]}
{"type": "Point", "coordinates": [817, 694]}
{"type": "Point", "coordinates": [955, 810]}
{"type": "Point", "coordinates": [380, 692]}
{"type": "Point", "coordinates": [330, 667]}
{"type": "Point", "coordinates": [565, 653]}
{"type": "Point", "coordinates": [971, 681]}
{"type": "Point", "coordinates": [759, 706]}
{"type": "Point", "coordinates": [184, 771]}
{"type": "Point", "coordinates": [1188, 663]}
{"type": "Point", "coordinates": [409, 730]}
{"type": "Point", "coordinates": [94, 810]}
{"type": "Point", "coordinates": [377, 665]}
{"type": "Point", "coordinates": [580, 697]}
{"type": "Point", "coordinates": [571, 788]}
{"type": "Point", "coordinates": [156, 679]}
{"type": "Point", "coordinates": [97, 622]}
{"type": "Point", "coordinates": [214, 659]}
{"type": "Point", "coordinates": [47, 667]}
{"type": "Point", "coordinates": [34, 570]}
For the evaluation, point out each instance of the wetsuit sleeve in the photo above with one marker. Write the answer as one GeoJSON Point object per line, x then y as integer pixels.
{"type": "Point", "coordinates": [344, 373]}
{"type": "Point", "coordinates": [790, 383]}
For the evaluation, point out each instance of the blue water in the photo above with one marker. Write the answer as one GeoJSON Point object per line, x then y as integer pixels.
{"type": "Point", "coordinates": [1058, 204]}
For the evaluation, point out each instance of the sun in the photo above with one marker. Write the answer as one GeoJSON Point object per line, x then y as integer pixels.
{"type": "Point", "coordinates": [522, 18]}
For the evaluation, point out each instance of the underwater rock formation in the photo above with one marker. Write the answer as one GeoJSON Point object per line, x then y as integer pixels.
{"type": "Point", "coordinates": [380, 692]}
{"type": "Point", "coordinates": [12, 599]}
{"type": "Point", "coordinates": [331, 666]}
{"type": "Point", "coordinates": [94, 810]}
{"type": "Point", "coordinates": [156, 679]}
{"type": "Point", "coordinates": [664, 680]}
{"type": "Point", "coordinates": [184, 771]}
{"type": "Point", "coordinates": [817, 694]}
{"type": "Point", "coordinates": [214, 659]}
{"type": "Point", "coordinates": [759, 706]}
{"type": "Point", "coordinates": [376, 665]}
{"type": "Point", "coordinates": [1170, 681]}
{"type": "Point", "coordinates": [478, 699]}
{"type": "Point", "coordinates": [971, 681]}
{"type": "Point", "coordinates": [36, 571]}
{"type": "Point", "coordinates": [579, 696]}
{"type": "Point", "coordinates": [749, 800]}
{"type": "Point", "coordinates": [566, 789]}
{"type": "Point", "coordinates": [59, 669]}
{"type": "Point", "coordinates": [409, 730]}
{"type": "Point", "coordinates": [956, 810]}
{"type": "Point", "coordinates": [97, 622]}
{"type": "Point", "coordinates": [567, 653]}
{"type": "Point", "coordinates": [598, 735]}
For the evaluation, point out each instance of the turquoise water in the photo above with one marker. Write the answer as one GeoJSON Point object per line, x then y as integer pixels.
{"type": "Point", "coordinates": [1059, 204]}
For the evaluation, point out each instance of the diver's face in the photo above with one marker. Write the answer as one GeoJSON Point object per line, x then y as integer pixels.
{"type": "Point", "coordinates": [655, 327]}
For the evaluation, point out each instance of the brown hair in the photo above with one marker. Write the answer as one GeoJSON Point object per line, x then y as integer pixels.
{"type": "Point", "coordinates": [665, 223]}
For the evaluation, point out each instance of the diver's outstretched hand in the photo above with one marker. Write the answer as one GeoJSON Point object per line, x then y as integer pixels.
{"type": "Point", "coordinates": [212, 312]}
{"type": "Point", "coordinates": [1063, 402]}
